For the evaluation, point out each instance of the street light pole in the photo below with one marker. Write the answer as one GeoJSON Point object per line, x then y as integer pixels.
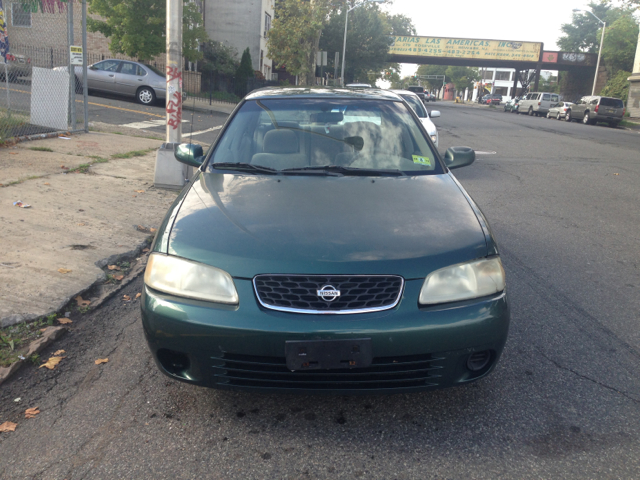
{"type": "Point", "coordinates": [604, 25]}
{"type": "Point", "coordinates": [344, 43]}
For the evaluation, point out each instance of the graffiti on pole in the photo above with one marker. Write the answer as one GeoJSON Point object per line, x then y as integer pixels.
{"type": "Point", "coordinates": [174, 99]}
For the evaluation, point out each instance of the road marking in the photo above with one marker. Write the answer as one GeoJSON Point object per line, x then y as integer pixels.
{"type": "Point", "coordinates": [485, 153]}
{"type": "Point", "coordinates": [202, 131]}
{"type": "Point", "coordinates": [149, 123]}
{"type": "Point", "coordinates": [101, 105]}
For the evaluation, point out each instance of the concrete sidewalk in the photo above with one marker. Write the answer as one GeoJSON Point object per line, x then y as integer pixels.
{"type": "Point", "coordinates": [91, 201]}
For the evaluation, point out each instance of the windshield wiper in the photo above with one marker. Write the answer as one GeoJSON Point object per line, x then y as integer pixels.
{"type": "Point", "coordinates": [364, 172]}
{"type": "Point", "coordinates": [244, 167]}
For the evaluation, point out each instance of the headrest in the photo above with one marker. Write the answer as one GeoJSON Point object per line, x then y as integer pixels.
{"type": "Point", "coordinates": [280, 141]}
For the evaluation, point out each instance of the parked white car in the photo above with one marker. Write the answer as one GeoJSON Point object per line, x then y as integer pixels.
{"type": "Point", "coordinates": [559, 110]}
{"type": "Point", "coordinates": [414, 101]}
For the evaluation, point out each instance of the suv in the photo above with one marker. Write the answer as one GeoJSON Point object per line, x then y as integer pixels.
{"type": "Point", "coordinates": [597, 109]}
{"type": "Point", "coordinates": [418, 90]}
{"type": "Point", "coordinates": [538, 103]}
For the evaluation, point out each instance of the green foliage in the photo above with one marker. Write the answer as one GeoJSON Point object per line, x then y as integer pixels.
{"type": "Point", "coordinates": [219, 58]}
{"type": "Point", "coordinates": [619, 47]}
{"type": "Point", "coordinates": [549, 84]}
{"type": "Point", "coordinates": [618, 86]}
{"type": "Point", "coordinates": [434, 84]}
{"type": "Point", "coordinates": [295, 32]}
{"type": "Point", "coordinates": [462, 77]}
{"type": "Point", "coordinates": [243, 73]}
{"type": "Point", "coordinates": [136, 28]}
{"type": "Point", "coordinates": [581, 35]}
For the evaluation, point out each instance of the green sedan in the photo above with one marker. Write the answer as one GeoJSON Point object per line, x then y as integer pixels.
{"type": "Point", "coordinates": [512, 105]}
{"type": "Point", "coordinates": [324, 245]}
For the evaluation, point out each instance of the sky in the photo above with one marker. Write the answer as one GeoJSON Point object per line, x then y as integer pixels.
{"type": "Point", "coordinates": [538, 21]}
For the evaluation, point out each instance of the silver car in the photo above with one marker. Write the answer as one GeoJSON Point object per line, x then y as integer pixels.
{"type": "Point", "coordinates": [124, 77]}
{"type": "Point", "coordinates": [559, 110]}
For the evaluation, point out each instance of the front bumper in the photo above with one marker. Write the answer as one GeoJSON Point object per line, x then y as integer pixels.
{"type": "Point", "coordinates": [243, 347]}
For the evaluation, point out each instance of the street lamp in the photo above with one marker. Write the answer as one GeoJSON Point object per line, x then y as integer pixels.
{"type": "Point", "coordinates": [604, 25]}
{"type": "Point", "coordinates": [344, 44]}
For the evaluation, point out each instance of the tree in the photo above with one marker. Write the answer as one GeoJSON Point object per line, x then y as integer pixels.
{"type": "Point", "coordinates": [367, 41]}
{"type": "Point", "coordinates": [136, 28]}
{"type": "Point", "coordinates": [219, 58]}
{"type": "Point", "coordinates": [618, 86]}
{"type": "Point", "coordinates": [619, 47]}
{"type": "Point", "coordinates": [462, 77]}
{"type": "Point", "coordinates": [582, 34]}
{"type": "Point", "coordinates": [433, 84]}
{"type": "Point", "coordinates": [293, 39]}
{"type": "Point", "coordinates": [243, 73]}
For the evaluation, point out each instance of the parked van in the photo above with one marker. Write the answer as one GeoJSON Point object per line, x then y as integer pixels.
{"type": "Point", "coordinates": [592, 109]}
{"type": "Point", "coordinates": [537, 103]}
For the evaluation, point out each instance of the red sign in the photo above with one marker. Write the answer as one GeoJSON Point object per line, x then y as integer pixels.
{"type": "Point", "coordinates": [550, 57]}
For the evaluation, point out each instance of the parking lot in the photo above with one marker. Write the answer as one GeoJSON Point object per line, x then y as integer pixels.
{"type": "Point", "coordinates": [564, 401]}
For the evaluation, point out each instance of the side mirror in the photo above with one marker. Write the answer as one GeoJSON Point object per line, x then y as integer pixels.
{"type": "Point", "coordinates": [189, 153]}
{"type": "Point", "coordinates": [456, 157]}
{"type": "Point", "coordinates": [434, 113]}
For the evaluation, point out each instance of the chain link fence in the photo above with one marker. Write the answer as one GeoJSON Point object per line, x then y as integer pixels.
{"type": "Point", "coordinates": [37, 94]}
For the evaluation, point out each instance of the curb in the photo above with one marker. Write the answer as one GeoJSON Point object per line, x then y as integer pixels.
{"type": "Point", "coordinates": [53, 333]}
{"type": "Point", "coordinates": [49, 336]}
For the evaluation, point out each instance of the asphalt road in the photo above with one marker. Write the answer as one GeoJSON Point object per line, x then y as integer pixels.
{"type": "Point", "coordinates": [126, 112]}
{"type": "Point", "coordinates": [564, 402]}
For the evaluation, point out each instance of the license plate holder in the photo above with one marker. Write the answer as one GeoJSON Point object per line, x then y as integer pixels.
{"type": "Point", "coordinates": [328, 354]}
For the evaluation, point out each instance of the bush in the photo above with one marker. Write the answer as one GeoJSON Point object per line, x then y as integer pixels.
{"type": "Point", "coordinates": [244, 73]}
{"type": "Point", "coordinates": [618, 86]}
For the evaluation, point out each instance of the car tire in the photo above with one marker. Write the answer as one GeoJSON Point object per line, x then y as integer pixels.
{"type": "Point", "coordinates": [587, 119]}
{"type": "Point", "coordinates": [548, 115]}
{"type": "Point", "coordinates": [146, 96]}
{"type": "Point", "coordinates": [530, 112]}
{"type": "Point", "coordinates": [558, 117]}
{"type": "Point", "coordinates": [567, 116]}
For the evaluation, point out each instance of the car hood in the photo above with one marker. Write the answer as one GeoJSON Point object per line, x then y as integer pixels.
{"type": "Point", "coordinates": [252, 224]}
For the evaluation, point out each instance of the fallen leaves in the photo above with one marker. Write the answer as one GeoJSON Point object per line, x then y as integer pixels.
{"type": "Point", "coordinates": [139, 191]}
{"type": "Point", "coordinates": [113, 267]}
{"type": "Point", "coordinates": [52, 362]}
{"type": "Point", "coordinates": [64, 270]}
{"type": "Point", "coordinates": [47, 183]}
{"type": "Point", "coordinates": [13, 153]}
{"type": "Point", "coordinates": [616, 174]}
{"type": "Point", "coordinates": [31, 412]}
{"type": "Point", "coordinates": [8, 427]}
{"type": "Point", "coordinates": [64, 321]}
{"type": "Point", "coordinates": [59, 352]}
{"type": "Point", "coordinates": [126, 298]}
{"type": "Point", "coordinates": [82, 302]}
{"type": "Point", "coordinates": [63, 167]}
{"type": "Point", "coordinates": [145, 250]}
{"type": "Point", "coordinates": [138, 295]}
{"type": "Point", "coordinates": [118, 277]}
{"type": "Point", "coordinates": [81, 224]}
{"type": "Point", "coordinates": [101, 360]}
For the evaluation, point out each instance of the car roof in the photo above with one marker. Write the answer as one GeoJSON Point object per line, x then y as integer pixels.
{"type": "Point", "coordinates": [404, 92]}
{"type": "Point", "coordinates": [321, 92]}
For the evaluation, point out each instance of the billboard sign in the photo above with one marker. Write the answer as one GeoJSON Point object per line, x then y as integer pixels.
{"type": "Point", "coordinates": [471, 48]}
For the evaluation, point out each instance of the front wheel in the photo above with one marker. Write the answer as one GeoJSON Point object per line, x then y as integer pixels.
{"type": "Point", "coordinates": [146, 96]}
{"type": "Point", "coordinates": [567, 117]}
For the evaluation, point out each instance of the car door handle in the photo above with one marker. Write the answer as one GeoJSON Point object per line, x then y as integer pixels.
{"type": "Point", "coordinates": [139, 79]}
{"type": "Point", "coordinates": [111, 75]}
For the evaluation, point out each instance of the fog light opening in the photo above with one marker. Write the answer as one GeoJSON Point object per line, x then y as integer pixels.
{"type": "Point", "coordinates": [175, 363]}
{"type": "Point", "coordinates": [479, 360]}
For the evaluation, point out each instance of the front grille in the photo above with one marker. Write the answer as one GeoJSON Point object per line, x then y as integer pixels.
{"type": "Point", "coordinates": [272, 373]}
{"type": "Point", "coordinates": [299, 293]}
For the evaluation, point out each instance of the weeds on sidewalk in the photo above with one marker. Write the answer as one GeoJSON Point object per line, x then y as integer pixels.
{"type": "Point", "coordinates": [41, 149]}
{"type": "Point", "coordinates": [133, 153]}
{"type": "Point", "coordinates": [15, 340]}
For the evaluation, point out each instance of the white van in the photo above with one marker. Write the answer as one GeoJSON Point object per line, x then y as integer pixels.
{"type": "Point", "coordinates": [537, 103]}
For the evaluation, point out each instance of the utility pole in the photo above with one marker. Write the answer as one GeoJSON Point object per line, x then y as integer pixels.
{"type": "Point", "coordinates": [174, 71]}
{"type": "Point", "coordinates": [169, 172]}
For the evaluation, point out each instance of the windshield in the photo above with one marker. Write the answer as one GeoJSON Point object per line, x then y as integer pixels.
{"type": "Point", "coordinates": [416, 104]}
{"type": "Point", "coordinates": [291, 134]}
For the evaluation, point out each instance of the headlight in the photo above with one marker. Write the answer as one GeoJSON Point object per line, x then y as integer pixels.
{"type": "Point", "coordinates": [434, 138]}
{"type": "Point", "coordinates": [185, 278]}
{"type": "Point", "coordinates": [464, 281]}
